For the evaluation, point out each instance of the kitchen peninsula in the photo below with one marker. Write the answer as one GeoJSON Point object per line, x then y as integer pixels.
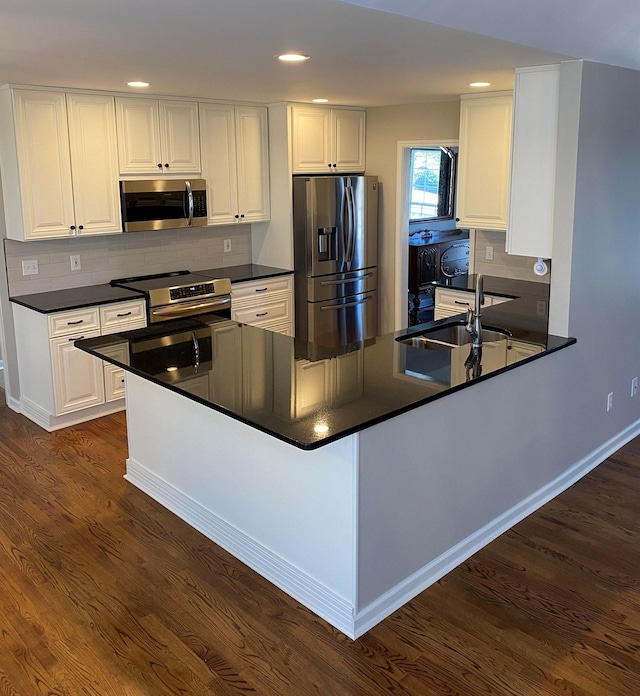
{"type": "Point", "coordinates": [352, 479]}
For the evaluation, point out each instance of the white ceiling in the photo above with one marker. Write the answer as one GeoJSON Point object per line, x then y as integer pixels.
{"type": "Point", "coordinates": [360, 53]}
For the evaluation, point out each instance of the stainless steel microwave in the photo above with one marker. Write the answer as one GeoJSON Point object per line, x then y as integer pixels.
{"type": "Point", "coordinates": [161, 204]}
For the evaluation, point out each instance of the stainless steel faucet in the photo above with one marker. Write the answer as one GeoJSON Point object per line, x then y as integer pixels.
{"type": "Point", "coordinates": [474, 324]}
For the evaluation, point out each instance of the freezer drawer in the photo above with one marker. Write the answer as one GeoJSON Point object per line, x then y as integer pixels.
{"type": "Point", "coordinates": [342, 285]}
{"type": "Point", "coordinates": [343, 321]}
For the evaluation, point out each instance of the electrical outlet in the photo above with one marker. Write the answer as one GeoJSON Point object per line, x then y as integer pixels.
{"type": "Point", "coordinates": [488, 253]}
{"type": "Point", "coordinates": [634, 386]}
{"type": "Point", "coordinates": [227, 245]}
{"type": "Point", "coordinates": [75, 262]}
{"type": "Point", "coordinates": [30, 267]}
{"type": "Point", "coordinates": [609, 401]}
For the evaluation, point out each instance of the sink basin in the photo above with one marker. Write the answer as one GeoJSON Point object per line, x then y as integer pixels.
{"type": "Point", "coordinates": [451, 335]}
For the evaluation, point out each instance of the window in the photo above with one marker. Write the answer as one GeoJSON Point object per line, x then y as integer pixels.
{"type": "Point", "coordinates": [432, 177]}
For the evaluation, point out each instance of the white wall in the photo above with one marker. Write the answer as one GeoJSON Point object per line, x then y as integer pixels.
{"type": "Point", "coordinates": [488, 454]}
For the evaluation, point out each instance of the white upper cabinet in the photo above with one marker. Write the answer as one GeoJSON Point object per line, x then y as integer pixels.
{"type": "Point", "coordinates": [157, 136]}
{"type": "Point", "coordinates": [59, 165]}
{"type": "Point", "coordinates": [484, 161]}
{"type": "Point", "coordinates": [94, 164]}
{"type": "Point", "coordinates": [235, 162]}
{"type": "Point", "coordinates": [327, 140]}
{"type": "Point", "coordinates": [533, 161]}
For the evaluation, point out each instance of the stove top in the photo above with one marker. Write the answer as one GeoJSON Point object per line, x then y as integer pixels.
{"type": "Point", "coordinates": [177, 286]}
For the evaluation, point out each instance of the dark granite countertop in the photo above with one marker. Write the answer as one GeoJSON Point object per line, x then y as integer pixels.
{"type": "Point", "coordinates": [262, 381]}
{"type": "Point", "coordinates": [85, 296]}
{"type": "Point", "coordinates": [74, 298]}
{"type": "Point", "coordinates": [248, 271]}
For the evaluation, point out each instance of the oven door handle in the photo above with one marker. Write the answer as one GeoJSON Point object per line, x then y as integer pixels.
{"type": "Point", "coordinates": [189, 192]}
{"type": "Point", "coordinates": [188, 307]}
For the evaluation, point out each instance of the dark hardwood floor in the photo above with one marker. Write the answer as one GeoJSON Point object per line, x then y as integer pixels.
{"type": "Point", "coordinates": [104, 593]}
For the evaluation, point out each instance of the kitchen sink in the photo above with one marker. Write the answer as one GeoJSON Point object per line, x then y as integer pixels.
{"type": "Point", "coordinates": [450, 336]}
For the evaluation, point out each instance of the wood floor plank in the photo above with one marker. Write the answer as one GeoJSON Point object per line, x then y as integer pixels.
{"type": "Point", "coordinates": [105, 593]}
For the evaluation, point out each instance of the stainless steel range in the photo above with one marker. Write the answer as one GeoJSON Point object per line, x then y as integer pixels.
{"type": "Point", "coordinates": [180, 294]}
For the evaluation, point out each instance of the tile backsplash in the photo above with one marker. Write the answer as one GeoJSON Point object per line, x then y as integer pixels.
{"type": "Point", "coordinates": [105, 257]}
{"type": "Point", "coordinates": [503, 265]}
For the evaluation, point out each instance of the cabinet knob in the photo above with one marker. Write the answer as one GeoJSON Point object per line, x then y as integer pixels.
{"type": "Point", "coordinates": [242, 215]}
{"type": "Point", "coordinates": [80, 227]}
{"type": "Point", "coordinates": [72, 227]}
{"type": "Point", "coordinates": [159, 165]}
{"type": "Point", "coordinates": [328, 165]}
{"type": "Point", "coordinates": [236, 216]}
{"type": "Point", "coordinates": [166, 164]}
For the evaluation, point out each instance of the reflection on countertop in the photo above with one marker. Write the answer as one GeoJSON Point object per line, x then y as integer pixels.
{"type": "Point", "coordinates": [307, 395]}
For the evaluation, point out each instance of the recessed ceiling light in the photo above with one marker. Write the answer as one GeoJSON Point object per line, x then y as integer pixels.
{"type": "Point", "coordinates": [292, 58]}
{"type": "Point", "coordinates": [319, 101]}
{"type": "Point", "coordinates": [138, 83]}
{"type": "Point", "coordinates": [479, 84]}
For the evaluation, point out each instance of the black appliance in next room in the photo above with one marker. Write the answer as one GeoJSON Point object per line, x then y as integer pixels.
{"type": "Point", "coordinates": [180, 294]}
{"type": "Point", "coordinates": [160, 204]}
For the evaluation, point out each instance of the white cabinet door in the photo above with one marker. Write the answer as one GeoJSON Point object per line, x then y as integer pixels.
{"type": "Point", "coordinates": [311, 147]}
{"type": "Point", "coordinates": [327, 140]}
{"type": "Point", "coordinates": [43, 166]}
{"type": "Point", "coordinates": [484, 161]}
{"type": "Point", "coordinates": [252, 156]}
{"type": "Point", "coordinates": [94, 164]}
{"type": "Point", "coordinates": [235, 163]}
{"type": "Point", "coordinates": [218, 143]}
{"type": "Point", "coordinates": [533, 161]}
{"type": "Point", "coordinates": [78, 377]}
{"type": "Point", "coordinates": [227, 357]}
{"type": "Point", "coordinates": [348, 136]}
{"type": "Point", "coordinates": [157, 137]}
{"type": "Point", "coordinates": [179, 137]}
{"type": "Point", "coordinates": [138, 136]}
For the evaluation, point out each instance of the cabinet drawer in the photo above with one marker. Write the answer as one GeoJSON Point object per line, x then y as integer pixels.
{"type": "Point", "coordinates": [118, 316]}
{"type": "Point", "coordinates": [271, 310]}
{"type": "Point", "coordinates": [119, 352]}
{"type": "Point", "coordinates": [458, 300]}
{"type": "Point", "coordinates": [77, 320]}
{"type": "Point", "coordinates": [113, 383]}
{"type": "Point", "coordinates": [257, 289]}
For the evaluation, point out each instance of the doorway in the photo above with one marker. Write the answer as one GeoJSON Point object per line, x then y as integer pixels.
{"type": "Point", "coordinates": [417, 215]}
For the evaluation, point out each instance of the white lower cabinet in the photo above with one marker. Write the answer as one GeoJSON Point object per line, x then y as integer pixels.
{"type": "Point", "coordinates": [78, 379]}
{"type": "Point", "coordinates": [267, 303]}
{"type": "Point", "coordinates": [60, 384]}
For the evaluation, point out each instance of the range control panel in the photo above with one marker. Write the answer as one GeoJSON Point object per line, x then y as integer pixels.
{"type": "Point", "coordinates": [184, 292]}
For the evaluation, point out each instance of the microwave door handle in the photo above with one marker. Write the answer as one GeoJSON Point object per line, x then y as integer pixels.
{"type": "Point", "coordinates": [189, 192]}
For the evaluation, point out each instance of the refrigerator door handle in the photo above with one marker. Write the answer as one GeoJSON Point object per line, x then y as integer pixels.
{"type": "Point", "coordinates": [351, 222]}
{"type": "Point", "coordinates": [346, 280]}
{"type": "Point", "coordinates": [335, 307]}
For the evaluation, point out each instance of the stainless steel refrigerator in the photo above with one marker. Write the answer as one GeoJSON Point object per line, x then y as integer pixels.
{"type": "Point", "coordinates": [335, 226]}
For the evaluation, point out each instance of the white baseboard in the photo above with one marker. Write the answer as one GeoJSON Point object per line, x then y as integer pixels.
{"type": "Point", "coordinates": [299, 585]}
{"type": "Point", "coordinates": [50, 422]}
{"type": "Point", "coordinates": [412, 586]}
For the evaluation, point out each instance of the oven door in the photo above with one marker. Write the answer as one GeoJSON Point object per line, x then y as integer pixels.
{"type": "Point", "coordinates": [217, 305]}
